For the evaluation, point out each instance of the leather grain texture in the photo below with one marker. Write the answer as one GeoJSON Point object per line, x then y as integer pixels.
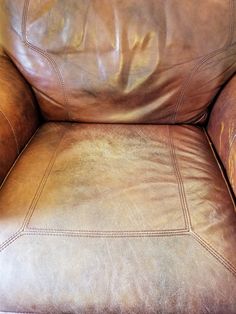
{"type": "Point", "coordinates": [117, 219]}
{"type": "Point", "coordinates": [18, 114]}
{"type": "Point", "coordinates": [122, 61]}
{"type": "Point", "coordinates": [222, 129]}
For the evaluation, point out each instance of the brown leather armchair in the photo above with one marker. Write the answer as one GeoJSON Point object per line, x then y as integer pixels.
{"type": "Point", "coordinates": [117, 156]}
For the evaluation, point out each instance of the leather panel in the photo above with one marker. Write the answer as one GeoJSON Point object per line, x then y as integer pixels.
{"type": "Point", "coordinates": [222, 129]}
{"type": "Point", "coordinates": [150, 65]}
{"type": "Point", "coordinates": [123, 177]}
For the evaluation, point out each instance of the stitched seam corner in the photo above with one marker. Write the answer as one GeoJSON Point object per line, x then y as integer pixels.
{"type": "Point", "coordinates": [214, 253]}
{"type": "Point", "coordinates": [219, 166]}
{"type": "Point", "coordinates": [29, 213]}
{"type": "Point", "coordinates": [181, 189]}
{"type": "Point", "coordinates": [43, 53]}
{"type": "Point", "coordinates": [13, 132]}
{"type": "Point", "coordinates": [10, 240]}
{"type": "Point", "coordinates": [42, 184]}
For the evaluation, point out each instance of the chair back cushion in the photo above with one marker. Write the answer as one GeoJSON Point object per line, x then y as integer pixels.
{"type": "Point", "coordinates": [122, 61]}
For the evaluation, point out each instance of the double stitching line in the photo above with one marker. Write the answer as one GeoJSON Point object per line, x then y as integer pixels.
{"type": "Point", "coordinates": [10, 240]}
{"type": "Point", "coordinates": [99, 234]}
{"type": "Point", "coordinates": [214, 253]}
{"type": "Point", "coordinates": [178, 176]}
{"type": "Point", "coordinates": [43, 53]}
{"type": "Point", "coordinates": [95, 233]}
{"type": "Point", "coordinates": [42, 184]}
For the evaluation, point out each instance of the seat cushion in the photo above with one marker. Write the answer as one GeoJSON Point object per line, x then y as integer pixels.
{"type": "Point", "coordinates": [99, 218]}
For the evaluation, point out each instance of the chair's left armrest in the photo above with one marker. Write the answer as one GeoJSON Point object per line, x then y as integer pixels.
{"type": "Point", "coordinates": [18, 114]}
{"type": "Point", "coordinates": [222, 129]}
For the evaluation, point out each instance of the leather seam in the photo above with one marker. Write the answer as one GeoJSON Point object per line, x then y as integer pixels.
{"type": "Point", "coordinates": [81, 231]}
{"type": "Point", "coordinates": [219, 166]}
{"type": "Point", "coordinates": [18, 157]}
{"type": "Point", "coordinates": [43, 53]}
{"type": "Point", "coordinates": [189, 78]}
{"type": "Point", "coordinates": [204, 59]}
{"type": "Point", "coordinates": [181, 189]}
{"type": "Point", "coordinates": [42, 183]}
{"type": "Point", "coordinates": [13, 132]}
{"type": "Point", "coordinates": [31, 209]}
{"type": "Point", "coordinates": [214, 253]}
{"type": "Point", "coordinates": [204, 243]}
{"type": "Point", "coordinates": [114, 235]}
{"type": "Point", "coordinates": [10, 240]}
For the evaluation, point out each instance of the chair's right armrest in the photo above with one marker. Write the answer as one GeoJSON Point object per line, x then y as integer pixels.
{"type": "Point", "coordinates": [18, 114]}
{"type": "Point", "coordinates": [222, 129]}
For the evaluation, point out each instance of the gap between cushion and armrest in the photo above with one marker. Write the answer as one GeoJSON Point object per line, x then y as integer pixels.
{"type": "Point", "coordinates": [19, 117]}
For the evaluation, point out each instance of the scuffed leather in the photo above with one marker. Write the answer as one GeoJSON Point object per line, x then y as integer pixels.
{"type": "Point", "coordinates": [18, 114]}
{"type": "Point", "coordinates": [122, 61]}
{"type": "Point", "coordinates": [222, 129]}
{"type": "Point", "coordinates": [117, 219]}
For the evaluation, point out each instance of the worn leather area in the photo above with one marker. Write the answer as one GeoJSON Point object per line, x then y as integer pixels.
{"type": "Point", "coordinates": [222, 129]}
{"type": "Point", "coordinates": [122, 61]}
{"type": "Point", "coordinates": [114, 275]}
{"type": "Point", "coordinates": [117, 219]}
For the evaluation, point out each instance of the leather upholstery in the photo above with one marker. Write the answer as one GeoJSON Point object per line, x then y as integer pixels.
{"type": "Point", "coordinates": [122, 61]}
{"type": "Point", "coordinates": [117, 219]}
{"type": "Point", "coordinates": [222, 129]}
{"type": "Point", "coordinates": [18, 115]}
{"type": "Point", "coordinates": [132, 213]}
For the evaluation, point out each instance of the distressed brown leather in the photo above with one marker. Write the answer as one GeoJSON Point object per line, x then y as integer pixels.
{"type": "Point", "coordinates": [222, 129]}
{"type": "Point", "coordinates": [122, 61]}
{"type": "Point", "coordinates": [18, 115]}
{"type": "Point", "coordinates": [132, 213]}
{"type": "Point", "coordinates": [117, 219]}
